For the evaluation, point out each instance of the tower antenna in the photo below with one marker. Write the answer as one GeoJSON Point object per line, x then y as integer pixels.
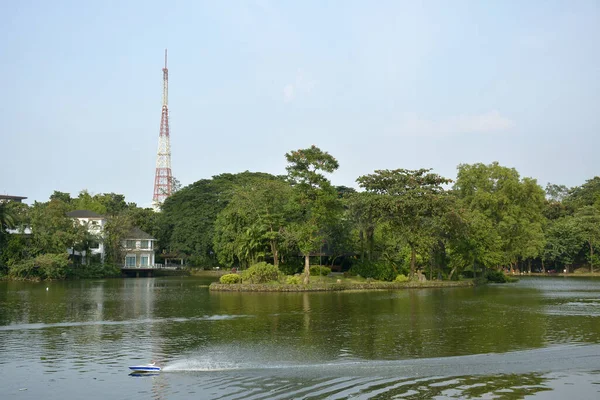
{"type": "Point", "coordinates": [163, 178]}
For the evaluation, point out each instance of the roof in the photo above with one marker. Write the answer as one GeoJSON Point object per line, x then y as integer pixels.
{"type": "Point", "coordinates": [83, 214]}
{"type": "Point", "coordinates": [137, 233]}
{"type": "Point", "coordinates": [9, 197]}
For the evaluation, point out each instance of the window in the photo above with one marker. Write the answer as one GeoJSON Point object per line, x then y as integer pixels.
{"type": "Point", "coordinates": [144, 260]}
{"type": "Point", "coordinates": [94, 245]}
{"type": "Point", "coordinates": [130, 261]}
{"type": "Point", "coordinates": [144, 244]}
{"type": "Point", "coordinates": [130, 244]}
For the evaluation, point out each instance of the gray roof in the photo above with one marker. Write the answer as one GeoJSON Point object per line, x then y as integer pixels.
{"type": "Point", "coordinates": [83, 214]}
{"type": "Point", "coordinates": [9, 197]}
{"type": "Point", "coordinates": [137, 233]}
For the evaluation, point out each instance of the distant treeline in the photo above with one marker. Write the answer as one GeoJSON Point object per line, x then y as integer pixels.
{"type": "Point", "coordinates": [397, 221]}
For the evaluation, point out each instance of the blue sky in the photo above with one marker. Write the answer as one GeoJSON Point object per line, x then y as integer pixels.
{"type": "Point", "coordinates": [379, 85]}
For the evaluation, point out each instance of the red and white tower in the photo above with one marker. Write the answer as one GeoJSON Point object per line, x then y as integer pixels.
{"type": "Point", "coordinates": [163, 178]}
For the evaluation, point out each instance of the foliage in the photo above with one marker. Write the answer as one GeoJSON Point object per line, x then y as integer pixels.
{"type": "Point", "coordinates": [188, 217]}
{"type": "Point", "coordinates": [95, 271]}
{"type": "Point", "coordinates": [410, 200]}
{"type": "Point", "coordinates": [379, 270]}
{"type": "Point", "coordinates": [293, 280]}
{"type": "Point", "coordinates": [45, 266]}
{"type": "Point", "coordinates": [401, 278]}
{"type": "Point", "coordinates": [501, 204]}
{"type": "Point", "coordinates": [319, 270]}
{"type": "Point", "coordinates": [496, 276]}
{"type": "Point", "coordinates": [291, 266]}
{"type": "Point", "coordinates": [260, 273]}
{"type": "Point", "coordinates": [564, 240]}
{"type": "Point", "coordinates": [250, 227]}
{"type": "Point", "coordinates": [316, 202]}
{"type": "Point", "coordinates": [230, 279]}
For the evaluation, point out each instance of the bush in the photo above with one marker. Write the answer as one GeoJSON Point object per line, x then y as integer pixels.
{"type": "Point", "coordinates": [45, 266]}
{"type": "Point", "coordinates": [95, 271]}
{"type": "Point", "coordinates": [261, 273]}
{"type": "Point", "coordinates": [293, 265]}
{"type": "Point", "coordinates": [401, 278]}
{"type": "Point", "coordinates": [293, 280]}
{"type": "Point", "coordinates": [229, 279]}
{"type": "Point", "coordinates": [381, 271]}
{"type": "Point", "coordinates": [496, 276]}
{"type": "Point", "coordinates": [317, 270]}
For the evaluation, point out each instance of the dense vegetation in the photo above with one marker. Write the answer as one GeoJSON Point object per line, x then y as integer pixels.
{"type": "Point", "coordinates": [400, 222]}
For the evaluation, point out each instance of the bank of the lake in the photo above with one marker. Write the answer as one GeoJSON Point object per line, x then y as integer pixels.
{"type": "Point", "coordinates": [336, 287]}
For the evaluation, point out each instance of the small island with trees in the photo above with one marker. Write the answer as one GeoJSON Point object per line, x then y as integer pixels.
{"type": "Point", "coordinates": [400, 228]}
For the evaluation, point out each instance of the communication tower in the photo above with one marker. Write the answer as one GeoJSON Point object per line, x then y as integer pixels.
{"type": "Point", "coordinates": [163, 179]}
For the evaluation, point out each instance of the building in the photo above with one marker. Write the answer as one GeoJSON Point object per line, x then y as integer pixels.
{"type": "Point", "coordinates": [138, 247]}
{"type": "Point", "coordinates": [94, 224]}
{"type": "Point", "coordinates": [5, 198]}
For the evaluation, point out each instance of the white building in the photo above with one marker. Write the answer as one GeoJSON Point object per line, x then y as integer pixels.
{"type": "Point", "coordinates": [95, 225]}
{"type": "Point", "coordinates": [138, 247]}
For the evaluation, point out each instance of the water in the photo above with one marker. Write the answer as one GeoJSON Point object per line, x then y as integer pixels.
{"type": "Point", "coordinates": [72, 340]}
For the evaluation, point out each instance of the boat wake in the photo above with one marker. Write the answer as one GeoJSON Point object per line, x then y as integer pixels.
{"type": "Point", "coordinates": [557, 358]}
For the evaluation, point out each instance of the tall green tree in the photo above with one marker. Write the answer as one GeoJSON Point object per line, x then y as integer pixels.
{"type": "Point", "coordinates": [316, 200]}
{"type": "Point", "coordinates": [53, 231]}
{"type": "Point", "coordinates": [253, 220]}
{"type": "Point", "coordinates": [187, 220]}
{"type": "Point", "coordinates": [513, 208]}
{"type": "Point", "coordinates": [588, 221]}
{"type": "Point", "coordinates": [564, 240]}
{"type": "Point", "coordinates": [410, 200]}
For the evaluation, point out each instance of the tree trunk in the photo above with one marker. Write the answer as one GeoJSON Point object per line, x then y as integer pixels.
{"type": "Point", "coordinates": [543, 268]}
{"type": "Point", "coordinates": [306, 268]}
{"type": "Point", "coordinates": [451, 273]}
{"type": "Point", "coordinates": [529, 266]}
{"type": "Point", "coordinates": [413, 259]}
{"type": "Point", "coordinates": [591, 257]}
{"type": "Point", "coordinates": [275, 252]}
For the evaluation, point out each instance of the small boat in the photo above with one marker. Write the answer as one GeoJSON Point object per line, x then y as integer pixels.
{"type": "Point", "coordinates": [145, 368]}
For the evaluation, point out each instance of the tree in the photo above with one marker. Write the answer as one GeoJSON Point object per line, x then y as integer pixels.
{"type": "Point", "coordinates": [564, 240]}
{"type": "Point", "coordinates": [587, 194]}
{"type": "Point", "coordinates": [512, 207]}
{"type": "Point", "coordinates": [53, 232]}
{"type": "Point", "coordinates": [587, 219]}
{"type": "Point", "coordinates": [409, 200]}
{"type": "Point", "coordinates": [253, 220]}
{"type": "Point", "coordinates": [363, 212]}
{"type": "Point", "coordinates": [186, 223]}
{"type": "Point", "coordinates": [316, 201]}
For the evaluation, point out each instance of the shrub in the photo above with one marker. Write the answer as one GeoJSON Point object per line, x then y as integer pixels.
{"type": "Point", "coordinates": [292, 265]}
{"type": "Point", "coordinates": [261, 273]}
{"type": "Point", "coordinates": [229, 279]}
{"type": "Point", "coordinates": [293, 280]}
{"type": "Point", "coordinates": [496, 276]}
{"type": "Point", "coordinates": [94, 271]}
{"type": "Point", "coordinates": [45, 266]}
{"type": "Point", "coordinates": [401, 278]}
{"type": "Point", "coordinates": [381, 271]}
{"type": "Point", "coordinates": [317, 270]}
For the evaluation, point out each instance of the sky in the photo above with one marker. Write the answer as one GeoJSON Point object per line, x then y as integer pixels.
{"type": "Point", "coordinates": [377, 84]}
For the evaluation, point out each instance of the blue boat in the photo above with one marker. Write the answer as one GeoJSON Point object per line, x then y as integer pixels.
{"type": "Point", "coordinates": [145, 368]}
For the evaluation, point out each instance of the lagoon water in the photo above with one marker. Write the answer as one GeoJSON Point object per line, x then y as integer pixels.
{"type": "Point", "coordinates": [538, 338]}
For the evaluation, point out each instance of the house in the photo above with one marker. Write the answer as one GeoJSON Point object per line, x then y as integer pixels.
{"type": "Point", "coordinates": [5, 198]}
{"type": "Point", "coordinates": [95, 224]}
{"type": "Point", "coordinates": [138, 247]}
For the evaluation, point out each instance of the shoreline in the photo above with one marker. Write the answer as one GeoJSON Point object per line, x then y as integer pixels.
{"type": "Point", "coordinates": [336, 287]}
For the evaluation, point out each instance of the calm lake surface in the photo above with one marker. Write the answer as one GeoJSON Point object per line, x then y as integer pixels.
{"type": "Point", "coordinates": [538, 338]}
